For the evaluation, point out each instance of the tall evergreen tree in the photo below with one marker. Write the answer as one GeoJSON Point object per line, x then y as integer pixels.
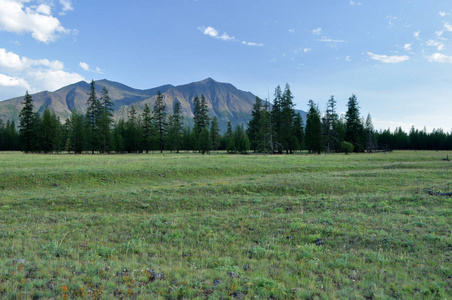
{"type": "Point", "coordinates": [161, 124]}
{"type": "Point", "coordinates": [93, 113]}
{"type": "Point", "coordinates": [200, 119]}
{"type": "Point", "coordinates": [329, 122]}
{"type": "Point", "coordinates": [264, 137]}
{"type": "Point", "coordinates": [132, 135]}
{"type": "Point", "coordinates": [200, 114]}
{"type": "Point", "coordinates": [371, 142]}
{"type": "Point", "coordinates": [313, 129]}
{"type": "Point", "coordinates": [77, 133]}
{"type": "Point", "coordinates": [175, 128]}
{"type": "Point", "coordinates": [26, 118]}
{"type": "Point", "coordinates": [147, 126]}
{"type": "Point", "coordinates": [254, 124]}
{"type": "Point", "coordinates": [354, 127]}
{"type": "Point", "coordinates": [298, 131]}
{"type": "Point", "coordinates": [215, 134]}
{"type": "Point", "coordinates": [276, 119]}
{"type": "Point", "coordinates": [105, 122]}
{"type": "Point", "coordinates": [48, 132]}
{"type": "Point", "coordinates": [286, 135]}
{"type": "Point", "coordinates": [230, 139]}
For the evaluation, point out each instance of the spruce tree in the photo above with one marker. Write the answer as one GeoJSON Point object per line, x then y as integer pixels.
{"type": "Point", "coordinates": [354, 128]}
{"type": "Point", "coordinates": [132, 134]}
{"type": "Point", "coordinates": [298, 131]}
{"type": "Point", "coordinates": [370, 137]}
{"type": "Point", "coordinates": [230, 139]}
{"type": "Point", "coordinates": [105, 122]}
{"type": "Point", "coordinates": [329, 124]}
{"type": "Point", "coordinates": [26, 118]}
{"type": "Point", "coordinates": [253, 125]}
{"type": "Point", "coordinates": [48, 132]}
{"type": "Point", "coordinates": [276, 119]}
{"type": "Point", "coordinates": [93, 113]}
{"type": "Point", "coordinates": [313, 129]}
{"type": "Point", "coordinates": [287, 114]}
{"type": "Point", "coordinates": [147, 126]}
{"type": "Point", "coordinates": [215, 134]}
{"type": "Point", "coordinates": [175, 128]}
{"type": "Point", "coordinates": [159, 113]}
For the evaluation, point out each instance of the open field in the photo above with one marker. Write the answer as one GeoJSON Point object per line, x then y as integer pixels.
{"type": "Point", "coordinates": [191, 226]}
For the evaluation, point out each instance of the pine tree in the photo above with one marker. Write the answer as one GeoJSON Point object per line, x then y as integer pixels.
{"type": "Point", "coordinates": [354, 128]}
{"type": "Point", "coordinates": [276, 119]}
{"type": "Point", "coordinates": [160, 122]}
{"type": "Point", "coordinates": [370, 134]}
{"type": "Point", "coordinates": [241, 140]}
{"type": "Point", "coordinates": [105, 122]}
{"type": "Point", "coordinates": [254, 124]}
{"type": "Point", "coordinates": [93, 113]}
{"type": "Point", "coordinates": [215, 134]}
{"type": "Point", "coordinates": [264, 136]}
{"type": "Point", "coordinates": [286, 134]}
{"type": "Point", "coordinates": [175, 128]}
{"type": "Point", "coordinates": [204, 141]}
{"type": "Point", "coordinates": [298, 131]}
{"type": "Point", "coordinates": [147, 126]}
{"type": "Point", "coordinates": [48, 132]}
{"type": "Point", "coordinates": [26, 118]}
{"type": "Point", "coordinates": [200, 119]}
{"type": "Point", "coordinates": [77, 132]}
{"type": "Point", "coordinates": [313, 129]}
{"type": "Point", "coordinates": [329, 124]}
{"type": "Point", "coordinates": [230, 139]}
{"type": "Point", "coordinates": [132, 134]}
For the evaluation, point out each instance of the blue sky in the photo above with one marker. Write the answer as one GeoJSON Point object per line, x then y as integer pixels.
{"type": "Point", "coordinates": [396, 56]}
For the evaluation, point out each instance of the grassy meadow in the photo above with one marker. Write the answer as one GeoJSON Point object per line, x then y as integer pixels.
{"type": "Point", "coordinates": [175, 226]}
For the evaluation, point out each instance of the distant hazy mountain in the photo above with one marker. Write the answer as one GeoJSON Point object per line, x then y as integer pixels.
{"type": "Point", "coordinates": [223, 99]}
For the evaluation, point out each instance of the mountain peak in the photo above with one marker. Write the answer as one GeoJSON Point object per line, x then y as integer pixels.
{"type": "Point", "coordinates": [207, 80]}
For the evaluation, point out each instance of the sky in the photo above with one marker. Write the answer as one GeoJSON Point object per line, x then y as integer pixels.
{"type": "Point", "coordinates": [394, 55]}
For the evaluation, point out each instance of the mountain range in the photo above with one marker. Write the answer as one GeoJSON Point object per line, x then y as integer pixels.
{"type": "Point", "coordinates": [224, 100]}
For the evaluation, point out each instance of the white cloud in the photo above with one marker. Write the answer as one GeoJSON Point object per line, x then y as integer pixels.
{"type": "Point", "coordinates": [84, 66]}
{"type": "Point", "coordinates": [448, 26]}
{"type": "Point", "coordinates": [33, 75]}
{"type": "Point", "coordinates": [439, 46]}
{"type": "Point", "coordinates": [317, 31]}
{"type": "Point", "coordinates": [16, 18]}
{"type": "Point", "coordinates": [331, 40]}
{"type": "Point", "coordinates": [394, 59]}
{"type": "Point", "coordinates": [252, 44]}
{"type": "Point", "coordinates": [292, 30]}
{"type": "Point", "coordinates": [441, 58]}
{"type": "Point", "coordinates": [212, 32]}
{"type": "Point", "coordinates": [44, 9]}
{"type": "Point", "coordinates": [348, 59]}
{"type": "Point", "coordinates": [12, 62]}
{"type": "Point", "coordinates": [9, 81]}
{"type": "Point", "coordinates": [87, 68]}
{"type": "Point", "coordinates": [417, 34]}
{"type": "Point", "coordinates": [407, 47]}
{"type": "Point", "coordinates": [66, 6]}
{"type": "Point", "coordinates": [353, 3]}
{"type": "Point", "coordinates": [443, 14]}
{"type": "Point", "coordinates": [304, 50]}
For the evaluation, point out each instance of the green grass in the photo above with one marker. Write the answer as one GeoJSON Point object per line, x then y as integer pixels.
{"type": "Point", "coordinates": [92, 226]}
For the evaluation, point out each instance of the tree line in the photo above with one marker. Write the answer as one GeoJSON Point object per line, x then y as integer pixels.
{"type": "Point", "coordinates": [273, 128]}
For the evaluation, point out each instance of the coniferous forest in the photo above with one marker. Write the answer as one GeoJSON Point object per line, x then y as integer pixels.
{"type": "Point", "coordinates": [273, 128]}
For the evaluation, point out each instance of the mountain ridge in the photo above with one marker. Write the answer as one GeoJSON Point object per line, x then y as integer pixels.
{"type": "Point", "coordinates": [224, 100]}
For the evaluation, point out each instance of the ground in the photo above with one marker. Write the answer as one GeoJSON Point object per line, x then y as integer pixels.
{"type": "Point", "coordinates": [358, 226]}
